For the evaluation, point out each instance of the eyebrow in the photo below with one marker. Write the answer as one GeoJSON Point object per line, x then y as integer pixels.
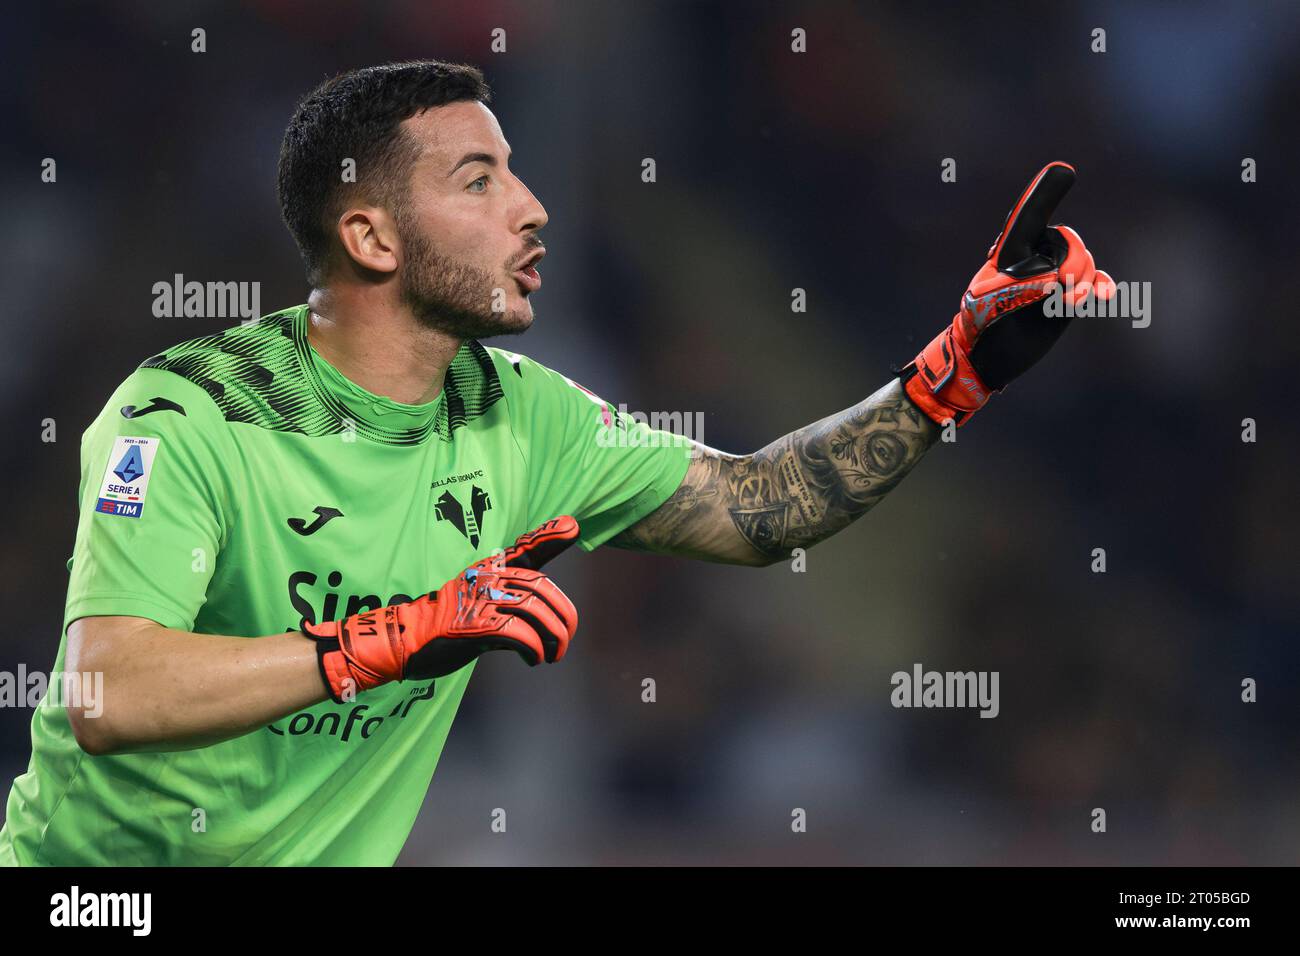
{"type": "Point", "coordinates": [485, 158]}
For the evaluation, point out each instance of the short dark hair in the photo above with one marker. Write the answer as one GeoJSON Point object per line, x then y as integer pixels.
{"type": "Point", "coordinates": [358, 115]}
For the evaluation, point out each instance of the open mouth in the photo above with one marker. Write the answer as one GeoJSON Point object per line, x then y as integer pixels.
{"type": "Point", "coordinates": [529, 278]}
{"type": "Point", "coordinates": [527, 275]}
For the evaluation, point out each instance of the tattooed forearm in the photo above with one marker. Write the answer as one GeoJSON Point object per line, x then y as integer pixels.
{"type": "Point", "coordinates": [801, 489]}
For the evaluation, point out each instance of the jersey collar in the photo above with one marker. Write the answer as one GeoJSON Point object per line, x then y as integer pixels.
{"type": "Point", "coordinates": [378, 411]}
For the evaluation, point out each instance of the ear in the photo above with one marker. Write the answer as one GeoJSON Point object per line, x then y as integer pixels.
{"type": "Point", "coordinates": [368, 235]}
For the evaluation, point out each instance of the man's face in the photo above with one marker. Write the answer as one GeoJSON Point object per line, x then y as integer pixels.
{"type": "Point", "coordinates": [469, 228]}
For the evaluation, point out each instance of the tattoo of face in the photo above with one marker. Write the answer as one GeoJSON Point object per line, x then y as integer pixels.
{"type": "Point", "coordinates": [797, 491]}
{"type": "Point", "coordinates": [825, 476]}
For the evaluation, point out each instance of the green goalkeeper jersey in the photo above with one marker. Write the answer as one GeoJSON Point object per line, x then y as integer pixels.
{"type": "Point", "coordinates": [238, 484]}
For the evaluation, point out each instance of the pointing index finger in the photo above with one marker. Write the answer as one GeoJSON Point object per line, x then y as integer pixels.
{"type": "Point", "coordinates": [1028, 217]}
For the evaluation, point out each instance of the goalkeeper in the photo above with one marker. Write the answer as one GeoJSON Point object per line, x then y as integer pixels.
{"type": "Point", "coordinates": [296, 537]}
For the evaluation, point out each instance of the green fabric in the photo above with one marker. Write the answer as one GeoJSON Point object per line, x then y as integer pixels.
{"type": "Point", "coordinates": [268, 433]}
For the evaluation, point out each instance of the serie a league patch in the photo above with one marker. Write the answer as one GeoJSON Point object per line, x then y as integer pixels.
{"type": "Point", "coordinates": [127, 477]}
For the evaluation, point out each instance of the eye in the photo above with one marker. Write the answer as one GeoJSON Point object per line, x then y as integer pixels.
{"type": "Point", "coordinates": [481, 181]}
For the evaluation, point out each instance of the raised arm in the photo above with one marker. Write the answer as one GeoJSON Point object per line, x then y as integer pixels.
{"type": "Point", "coordinates": [754, 509]}
{"type": "Point", "coordinates": [801, 489]}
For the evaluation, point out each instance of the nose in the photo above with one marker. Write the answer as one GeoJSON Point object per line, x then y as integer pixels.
{"type": "Point", "coordinates": [529, 213]}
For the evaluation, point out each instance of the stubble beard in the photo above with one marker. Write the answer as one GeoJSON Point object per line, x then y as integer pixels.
{"type": "Point", "coordinates": [454, 297]}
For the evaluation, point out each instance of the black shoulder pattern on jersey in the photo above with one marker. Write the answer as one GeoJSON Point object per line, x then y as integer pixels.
{"type": "Point", "coordinates": [259, 374]}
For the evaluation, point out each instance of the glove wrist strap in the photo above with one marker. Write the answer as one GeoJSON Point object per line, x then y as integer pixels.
{"type": "Point", "coordinates": [942, 383]}
{"type": "Point", "coordinates": [332, 664]}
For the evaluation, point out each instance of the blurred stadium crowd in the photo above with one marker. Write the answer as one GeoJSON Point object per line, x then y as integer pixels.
{"type": "Point", "coordinates": [775, 171]}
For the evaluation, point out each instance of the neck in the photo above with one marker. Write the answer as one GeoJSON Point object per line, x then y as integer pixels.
{"type": "Point", "coordinates": [382, 348]}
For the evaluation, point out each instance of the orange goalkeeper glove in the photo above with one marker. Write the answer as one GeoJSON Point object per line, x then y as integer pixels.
{"type": "Point", "coordinates": [1002, 327]}
{"type": "Point", "coordinates": [502, 603]}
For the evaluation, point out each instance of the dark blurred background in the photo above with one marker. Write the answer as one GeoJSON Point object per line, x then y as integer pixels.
{"type": "Point", "coordinates": [776, 170]}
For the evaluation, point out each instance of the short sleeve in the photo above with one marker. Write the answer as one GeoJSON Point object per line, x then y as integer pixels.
{"type": "Point", "coordinates": [153, 504]}
{"type": "Point", "coordinates": [588, 459]}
